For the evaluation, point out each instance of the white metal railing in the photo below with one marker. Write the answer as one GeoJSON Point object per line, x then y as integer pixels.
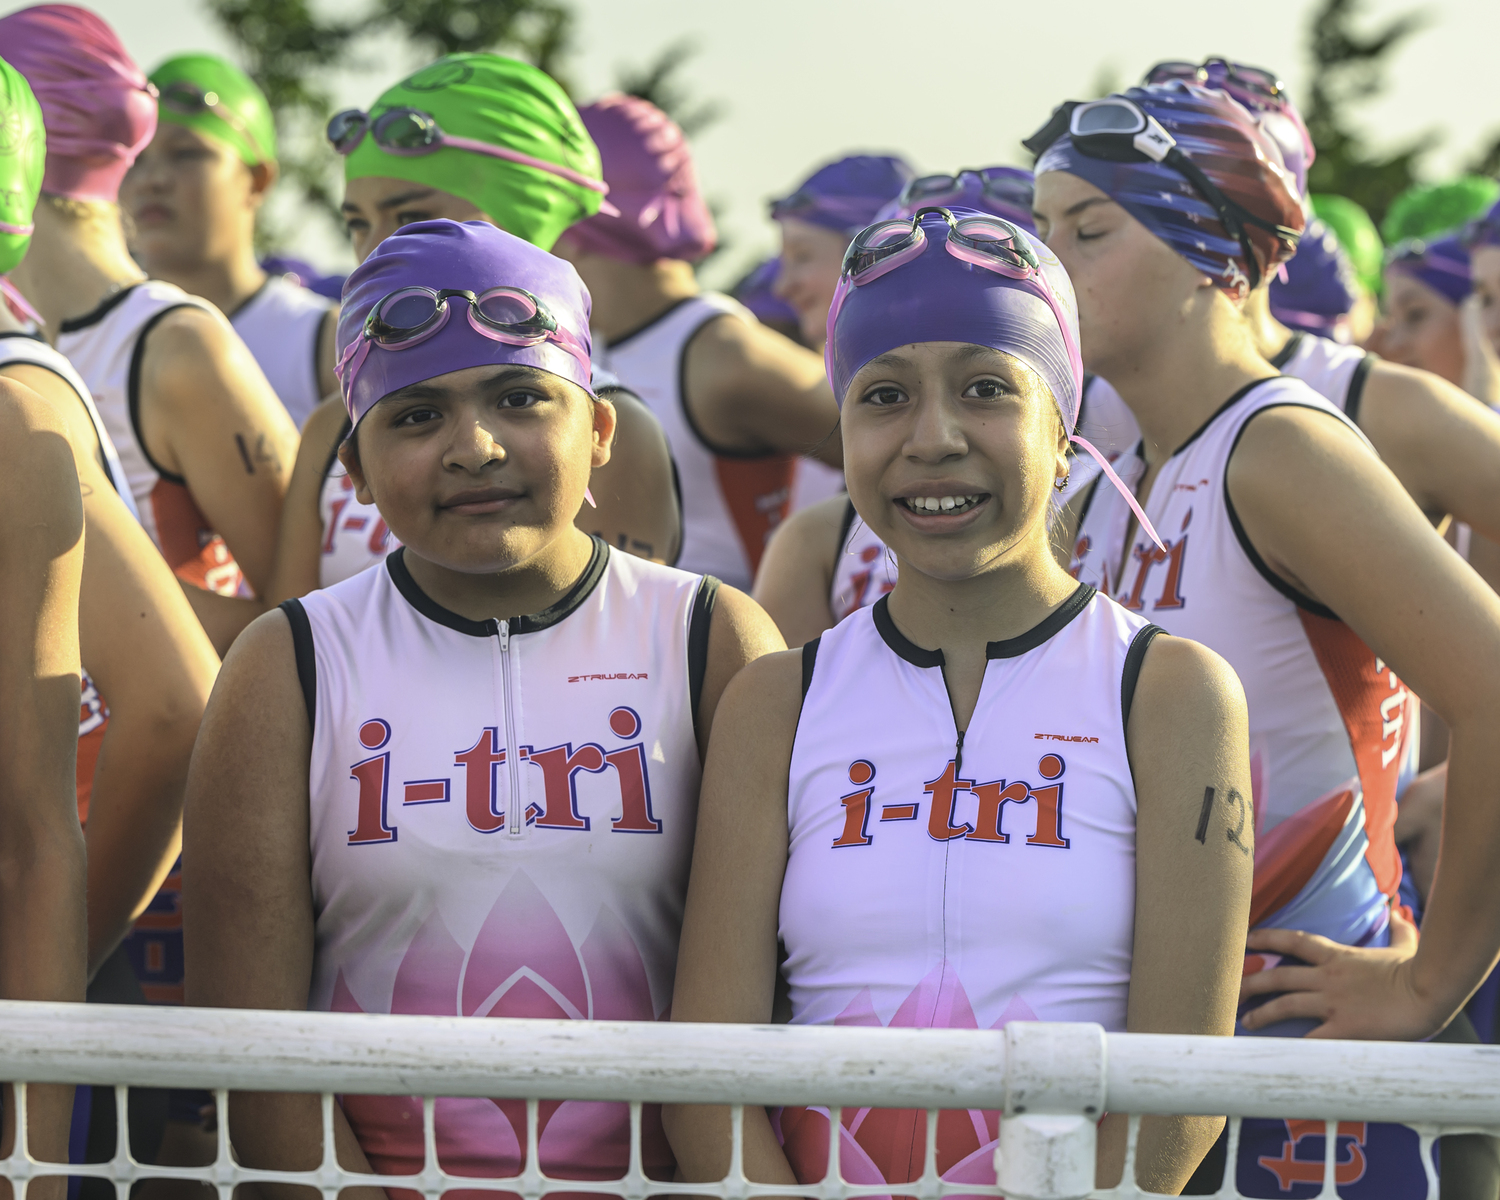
{"type": "Point", "coordinates": [1051, 1082]}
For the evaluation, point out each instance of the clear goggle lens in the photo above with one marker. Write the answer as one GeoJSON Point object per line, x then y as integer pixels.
{"type": "Point", "coordinates": [505, 308]}
{"type": "Point", "coordinates": [1107, 118]}
{"type": "Point", "coordinates": [405, 129]}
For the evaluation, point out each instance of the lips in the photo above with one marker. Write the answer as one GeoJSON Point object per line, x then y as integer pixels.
{"type": "Point", "coordinates": [153, 214]}
{"type": "Point", "coordinates": [479, 501]}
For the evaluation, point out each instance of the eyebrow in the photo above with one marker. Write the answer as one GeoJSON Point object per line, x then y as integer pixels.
{"type": "Point", "coordinates": [889, 359]}
{"type": "Point", "coordinates": [1088, 203]}
{"type": "Point", "coordinates": [390, 202]}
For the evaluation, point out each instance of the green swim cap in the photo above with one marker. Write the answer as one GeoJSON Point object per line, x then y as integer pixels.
{"type": "Point", "coordinates": [1357, 234]}
{"type": "Point", "coordinates": [1427, 209]}
{"type": "Point", "coordinates": [504, 102]}
{"type": "Point", "coordinates": [226, 89]}
{"type": "Point", "coordinates": [23, 155]}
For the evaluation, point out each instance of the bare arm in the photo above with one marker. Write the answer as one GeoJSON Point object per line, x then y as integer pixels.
{"type": "Point", "coordinates": [208, 415]}
{"type": "Point", "coordinates": [1188, 740]}
{"type": "Point", "coordinates": [634, 493]}
{"type": "Point", "coordinates": [42, 950]}
{"type": "Point", "coordinates": [299, 544]}
{"type": "Point", "coordinates": [749, 388]}
{"type": "Point", "coordinates": [1372, 558]}
{"type": "Point", "coordinates": [796, 571]}
{"type": "Point", "coordinates": [1438, 441]}
{"type": "Point", "coordinates": [739, 633]}
{"type": "Point", "coordinates": [247, 890]}
{"type": "Point", "coordinates": [154, 667]}
{"type": "Point", "coordinates": [726, 964]}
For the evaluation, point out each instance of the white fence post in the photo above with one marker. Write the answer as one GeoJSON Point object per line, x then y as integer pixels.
{"type": "Point", "coordinates": [1054, 1097]}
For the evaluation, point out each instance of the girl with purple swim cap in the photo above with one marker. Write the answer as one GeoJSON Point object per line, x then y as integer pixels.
{"type": "Point", "coordinates": [1425, 283]}
{"type": "Point", "coordinates": [1482, 237]}
{"type": "Point", "coordinates": [952, 346]}
{"type": "Point", "coordinates": [818, 218]}
{"type": "Point", "coordinates": [586, 681]}
{"type": "Point", "coordinates": [1294, 553]}
{"type": "Point", "coordinates": [740, 404]}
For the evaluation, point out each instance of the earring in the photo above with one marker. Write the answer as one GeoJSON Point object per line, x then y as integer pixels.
{"type": "Point", "coordinates": [1061, 483]}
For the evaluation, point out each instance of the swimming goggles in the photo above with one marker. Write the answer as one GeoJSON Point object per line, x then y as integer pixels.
{"type": "Point", "coordinates": [1214, 71]}
{"type": "Point", "coordinates": [852, 211]}
{"type": "Point", "coordinates": [1119, 130]}
{"type": "Point", "coordinates": [997, 183]}
{"type": "Point", "coordinates": [411, 315]}
{"type": "Point", "coordinates": [1482, 231]}
{"type": "Point", "coordinates": [991, 243]}
{"type": "Point", "coordinates": [410, 132]}
{"type": "Point", "coordinates": [190, 100]}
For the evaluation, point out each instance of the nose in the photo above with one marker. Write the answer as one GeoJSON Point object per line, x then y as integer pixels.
{"type": "Point", "coordinates": [936, 433]}
{"type": "Point", "coordinates": [781, 286]}
{"type": "Point", "coordinates": [473, 446]}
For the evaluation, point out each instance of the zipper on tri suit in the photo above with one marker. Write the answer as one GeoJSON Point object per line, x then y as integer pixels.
{"type": "Point", "coordinates": [514, 816]}
{"type": "Point", "coordinates": [958, 755]}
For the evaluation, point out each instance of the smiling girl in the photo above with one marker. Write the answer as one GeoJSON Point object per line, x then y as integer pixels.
{"type": "Point", "coordinates": [463, 782]}
{"type": "Point", "coordinates": [913, 804]}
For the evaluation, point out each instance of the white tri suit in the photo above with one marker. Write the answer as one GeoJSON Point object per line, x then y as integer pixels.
{"type": "Point", "coordinates": [865, 569]}
{"type": "Point", "coordinates": [502, 817]}
{"type": "Point", "coordinates": [1331, 727]}
{"type": "Point", "coordinates": [282, 326]}
{"type": "Point", "coordinates": [731, 500]}
{"type": "Point", "coordinates": [934, 877]}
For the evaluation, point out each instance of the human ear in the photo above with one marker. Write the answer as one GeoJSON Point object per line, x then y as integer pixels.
{"type": "Point", "coordinates": [349, 456]}
{"type": "Point", "coordinates": [263, 178]}
{"type": "Point", "coordinates": [605, 423]}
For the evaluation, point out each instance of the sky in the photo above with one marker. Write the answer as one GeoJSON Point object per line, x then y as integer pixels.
{"type": "Point", "coordinates": [805, 81]}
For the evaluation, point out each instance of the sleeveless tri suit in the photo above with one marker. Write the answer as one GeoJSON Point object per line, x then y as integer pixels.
{"type": "Point", "coordinates": [933, 878]}
{"type": "Point", "coordinates": [107, 347]}
{"type": "Point", "coordinates": [1331, 728]}
{"type": "Point", "coordinates": [502, 820]}
{"type": "Point", "coordinates": [281, 325]}
{"type": "Point", "coordinates": [731, 500]}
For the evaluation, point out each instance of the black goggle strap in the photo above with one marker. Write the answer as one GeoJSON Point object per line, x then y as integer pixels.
{"type": "Point", "coordinates": [1057, 125]}
{"type": "Point", "coordinates": [1232, 214]}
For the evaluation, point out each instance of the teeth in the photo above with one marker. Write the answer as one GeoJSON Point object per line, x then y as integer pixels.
{"type": "Point", "coordinates": [945, 504]}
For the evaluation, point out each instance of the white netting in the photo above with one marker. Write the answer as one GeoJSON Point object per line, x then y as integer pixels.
{"type": "Point", "coordinates": [1051, 1082]}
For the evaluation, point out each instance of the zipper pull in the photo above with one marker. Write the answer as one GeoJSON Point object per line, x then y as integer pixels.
{"type": "Point", "coordinates": [502, 631]}
{"type": "Point", "coordinates": [958, 756]}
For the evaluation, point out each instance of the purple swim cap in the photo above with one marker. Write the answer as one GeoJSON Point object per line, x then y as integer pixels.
{"type": "Point", "coordinates": [757, 293]}
{"type": "Point", "coordinates": [1003, 192]}
{"type": "Point", "coordinates": [1320, 286]}
{"type": "Point", "coordinates": [97, 105]}
{"type": "Point", "coordinates": [474, 256]}
{"type": "Point", "coordinates": [938, 298]}
{"type": "Point", "coordinates": [845, 196]}
{"type": "Point", "coordinates": [652, 182]}
{"type": "Point", "coordinates": [1443, 265]}
{"type": "Point", "coordinates": [1228, 145]}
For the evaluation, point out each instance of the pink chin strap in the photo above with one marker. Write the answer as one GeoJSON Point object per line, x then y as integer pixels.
{"type": "Point", "coordinates": [18, 303]}
{"type": "Point", "coordinates": [1120, 487]}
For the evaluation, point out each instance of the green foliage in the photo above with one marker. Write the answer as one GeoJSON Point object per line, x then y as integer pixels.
{"type": "Point", "coordinates": [1348, 68]}
{"type": "Point", "coordinates": [658, 83]}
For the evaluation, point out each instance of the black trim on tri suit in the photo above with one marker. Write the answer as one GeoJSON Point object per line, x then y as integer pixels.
{"type": "Point", "coordinates": [1256, 561]}
{"type": "Point", "coordinates": [1289, 351]}
{"type": "Point", "coordinates": [1014, 647]}
{"type": "Point", "coordinates": [98, 312]}
{"type": "Point", "coordinates": [681, 512]}
{"type": "Point", "coordinates": [687, 413]}
{"type": "Point", "coordinates": [133, 390]}
{"type": "Point", "coordinates": [656, 320]}
{"type": "Point", "coordinates": [1218, 412]}
{"type": "Point", "coordinates": [333, 455]}
{"type": "Point", "coordinates": [1046, 628]}
{"type": "Point", "coordinates": [26, 362]}
{"type": "Point", "coordinates": [898, 642]}
{"type": "Point", "coordinates": [699, 624]}
{"type": "Point", "coordinates": [329, 314]}
{"type": "Point", "coordinates": [395, 564]}
{"type": "Point", "coordinates": [1134, 657]}
{"type": "Point", "coordinates": [1356, 390]}
{"type": "Point", "coordinates": [251, 299]}
{"type": "Point", "coordinates": [809, 663]}
{"type": "Point", "coordinates": [307, 661]}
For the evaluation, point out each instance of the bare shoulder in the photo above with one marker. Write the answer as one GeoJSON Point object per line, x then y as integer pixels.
{"type": "Point", "coordinates": [261, 668]}
{"type": "Point", "coordinates": [325, 423]}
{"type": "Point", "coordinates": [765, 699]}
{"type": "Point", "coordinates": [1184, 690]}
{"type": "Point", "coordinates": [636, 427]}
{"type": "Point", "coordinates": [742, 631]}
{"type": "Point", "coordinates": [815, 527]}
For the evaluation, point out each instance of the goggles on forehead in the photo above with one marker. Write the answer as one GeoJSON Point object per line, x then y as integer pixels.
{"type": "Point", "coordinates": [187, 98]}
{"type": "Point", "coordinates": [410, 132]}
{"type": "Point", "coordinates": [995, 182]}
{"type": "Point", "coordinates": [1119, 130]}
{"type": "Point", "coordinates": [1214, 71]}
{"type": "Point", "coordinates": [410, 315]}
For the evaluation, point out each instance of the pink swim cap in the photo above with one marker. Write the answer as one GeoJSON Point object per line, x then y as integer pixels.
{"type": "Point", "coordinates": [651, 178]}
{"type": "Point", "coordinates": [98, 107]}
